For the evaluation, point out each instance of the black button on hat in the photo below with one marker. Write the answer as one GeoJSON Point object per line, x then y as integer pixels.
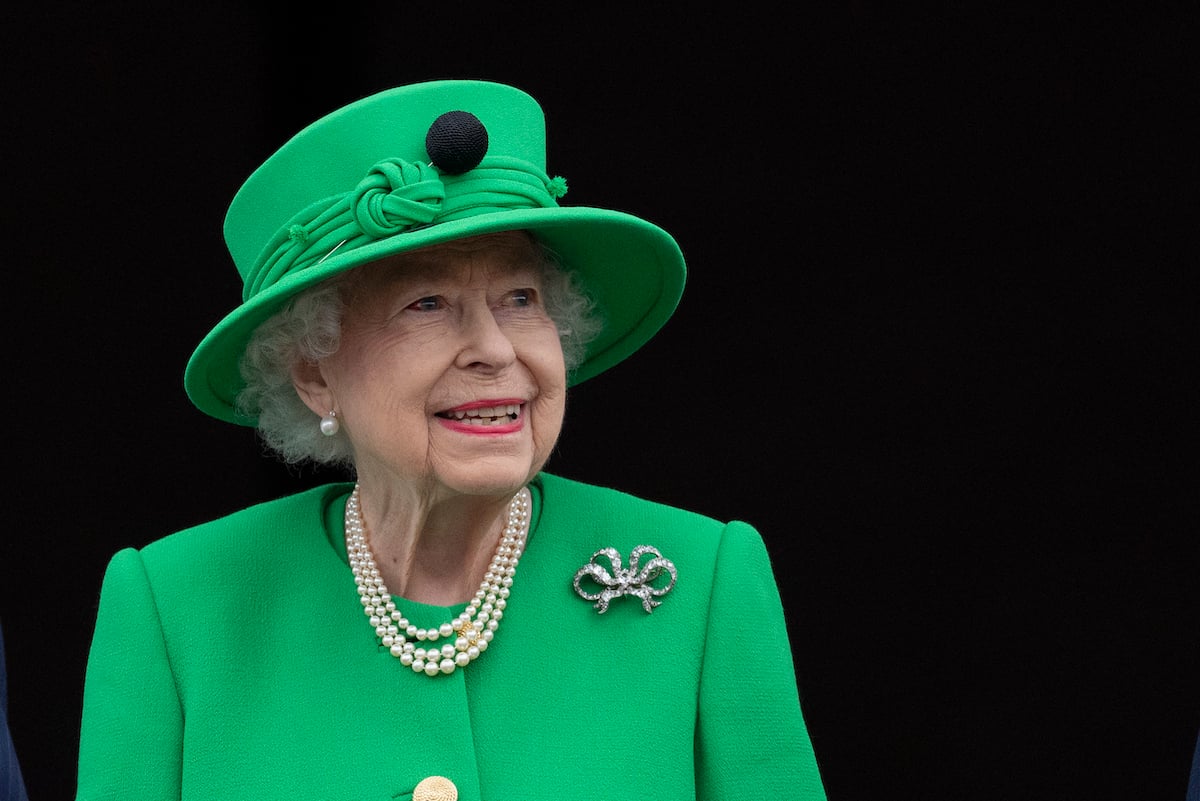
{"type": "Point", "coordinates": [456, 142]}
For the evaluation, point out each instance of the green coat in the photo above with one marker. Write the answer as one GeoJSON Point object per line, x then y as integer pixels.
{"type": "Point", "coordinates": [233, 661]}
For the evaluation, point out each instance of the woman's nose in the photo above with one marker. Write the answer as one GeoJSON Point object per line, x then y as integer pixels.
{"type": "Point", "coordinates": [484, 342]}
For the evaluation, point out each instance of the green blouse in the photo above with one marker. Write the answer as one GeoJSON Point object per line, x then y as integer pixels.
{"type": "Point", "coordinates": [233, 661]}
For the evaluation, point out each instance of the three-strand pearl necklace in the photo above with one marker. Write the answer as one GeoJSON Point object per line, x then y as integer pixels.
{"type": "Point", "coordinates": [472, 630]}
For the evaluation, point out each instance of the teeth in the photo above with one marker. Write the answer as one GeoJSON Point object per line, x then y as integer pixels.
{"type": "Point", "coordinates": [488, 415]}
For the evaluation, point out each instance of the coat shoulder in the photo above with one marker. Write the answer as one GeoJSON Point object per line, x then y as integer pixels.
{"type": "Point", "coordinates": [635, 520]}
{"type": "Point", "coordinates": [257, 530]}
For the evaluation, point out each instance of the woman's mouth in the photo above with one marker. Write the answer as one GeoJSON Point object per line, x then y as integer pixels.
{"type": "Point", "coordinates": [502, 415]}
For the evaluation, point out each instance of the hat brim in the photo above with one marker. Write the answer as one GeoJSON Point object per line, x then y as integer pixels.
{"type": "Point", "coordinates": [631, 268]}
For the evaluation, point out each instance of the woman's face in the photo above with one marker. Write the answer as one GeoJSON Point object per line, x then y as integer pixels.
{"type": "Point", "coordinates": [450, 374]}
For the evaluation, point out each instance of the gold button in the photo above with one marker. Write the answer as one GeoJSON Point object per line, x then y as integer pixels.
{"type": "Point", "coordinates": [435, 788]}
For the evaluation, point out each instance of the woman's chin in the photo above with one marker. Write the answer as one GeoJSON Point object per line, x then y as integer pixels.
{"type": "Point", "coordinates": [490, 478]}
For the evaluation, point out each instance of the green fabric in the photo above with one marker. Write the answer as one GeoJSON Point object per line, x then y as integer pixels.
{"type": "Point", "coordinates": [233, 661]}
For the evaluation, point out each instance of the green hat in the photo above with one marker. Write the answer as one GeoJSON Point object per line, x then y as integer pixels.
{"type": "Point", "coordinates": [416, 166]}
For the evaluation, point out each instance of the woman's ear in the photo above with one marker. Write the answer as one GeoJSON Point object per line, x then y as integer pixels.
{"type": "Point", "coordinates": [310, 385]}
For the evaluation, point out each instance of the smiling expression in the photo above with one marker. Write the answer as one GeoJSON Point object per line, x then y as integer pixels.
{"type": "Point", "coordinates": [450, 374]}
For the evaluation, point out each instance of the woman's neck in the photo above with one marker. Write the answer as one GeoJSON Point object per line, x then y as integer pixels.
{"type": "Point", "coordinates": [435, 555]}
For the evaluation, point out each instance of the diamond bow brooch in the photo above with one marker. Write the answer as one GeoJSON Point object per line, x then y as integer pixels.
{"type": "Point", "coordinates": [636, 580]}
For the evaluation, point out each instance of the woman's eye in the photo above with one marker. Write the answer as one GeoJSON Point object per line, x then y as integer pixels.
{"type": "Point", "coordinates": [522, 297]}
{"type": "Point", "coordinates": [425, 304]}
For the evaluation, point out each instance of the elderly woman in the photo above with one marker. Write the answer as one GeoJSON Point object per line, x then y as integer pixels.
{"type": "Point", "coordinates": [453, 622]}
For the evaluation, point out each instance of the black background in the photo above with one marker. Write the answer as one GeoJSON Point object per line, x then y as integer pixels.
{"type": "Point", "coordinates": [935, 341]}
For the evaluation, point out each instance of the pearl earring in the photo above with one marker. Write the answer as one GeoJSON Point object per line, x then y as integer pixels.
{"type": "Point", "coordinates": [330, 424]}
